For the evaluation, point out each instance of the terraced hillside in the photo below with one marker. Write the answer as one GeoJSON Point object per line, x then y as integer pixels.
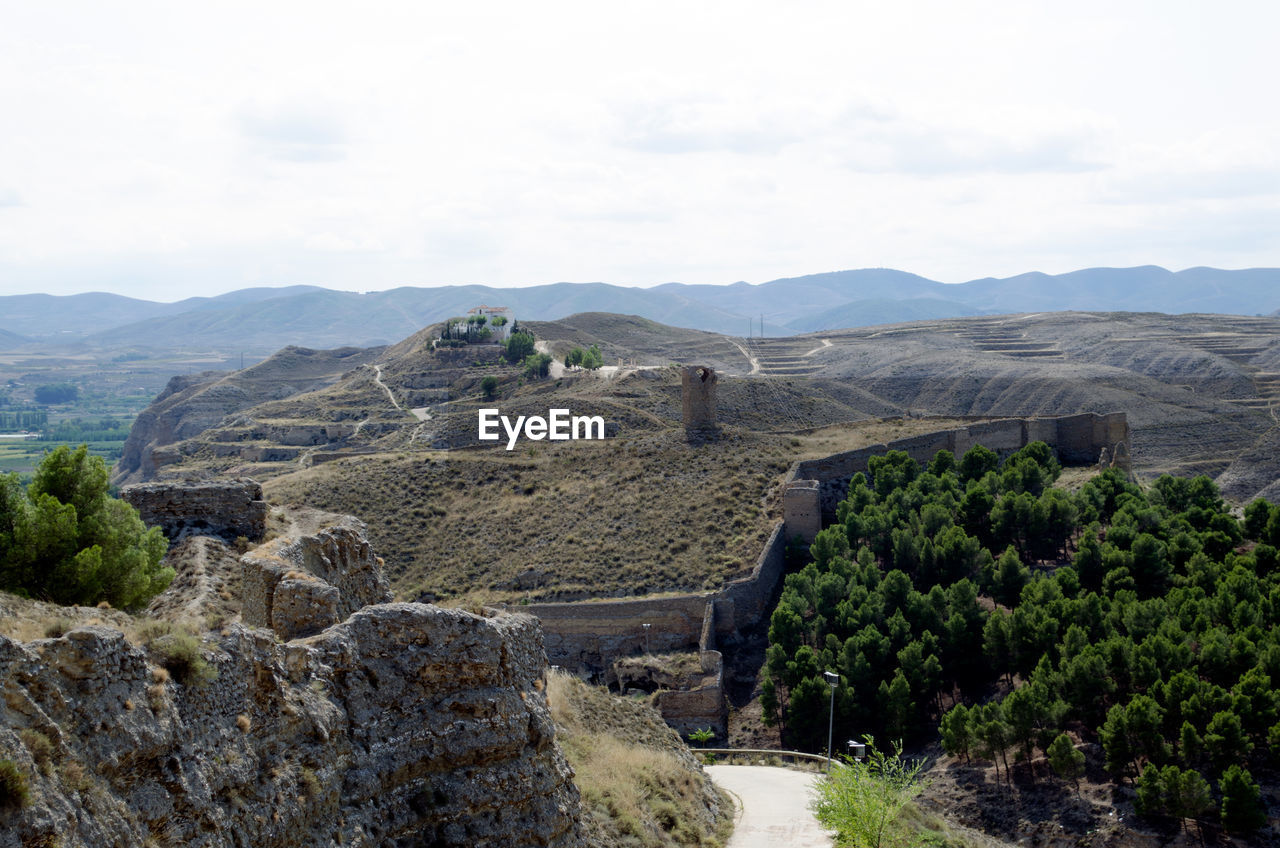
{"type": "Point", "coordinates": [392, 439]}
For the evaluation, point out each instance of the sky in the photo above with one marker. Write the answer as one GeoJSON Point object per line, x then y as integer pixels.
{"type": "Point", "coordinates": [163, 150]}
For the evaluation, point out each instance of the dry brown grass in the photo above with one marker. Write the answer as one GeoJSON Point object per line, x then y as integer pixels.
{"type": "Point", "coordinates": [642, 514]}
{"type": "Point", "coordinates": [640, 785]}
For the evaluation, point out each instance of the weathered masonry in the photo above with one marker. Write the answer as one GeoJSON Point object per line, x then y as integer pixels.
{"type": "Point", "coordinates": [1077, 439]}
{"type": "Point", "coordinates": [588, 635]}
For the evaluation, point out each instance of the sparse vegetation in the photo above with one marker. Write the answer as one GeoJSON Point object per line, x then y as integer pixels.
{"type": "Point", "coordinates": [640, 785]}
{"type": "Point", "coordinates": [181, 655]}
{"type": "Point", "coordinates": [863, 800]}
{"type": "Point", "coordinates": [40, 746]}
{"type": "Point", "coordinates": [14, 793]}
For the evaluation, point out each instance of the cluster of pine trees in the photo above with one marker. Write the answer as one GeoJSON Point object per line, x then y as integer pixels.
{"type": "Point", "coordinates": [973, 599]}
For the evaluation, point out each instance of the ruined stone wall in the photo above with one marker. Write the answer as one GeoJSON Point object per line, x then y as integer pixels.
{"type": "Point", "coordinates": [404, 725]}
{"type": "Point", "coordinates": [298, 586]}
{"type": "Point", "coordinates": [1075, 438]}
{"type": "Point", "coordinates": [687, 710]}
{"type": "Point", "coordinates": [588, 635]}
{"type": "Point", "coordinates": [802, 509]}
{"type": "Point", "coordinates": [227, 508]}
{"type": "Point", "coordinates": [698, 398]}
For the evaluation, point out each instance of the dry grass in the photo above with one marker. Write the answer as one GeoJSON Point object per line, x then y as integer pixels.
{"type": "Point", "coordinates": [640, 785]}
{"type": "Point", "coordinates": [643, 514]}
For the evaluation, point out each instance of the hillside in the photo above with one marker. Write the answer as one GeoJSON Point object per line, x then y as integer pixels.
{"type": "Point", "coordinates": [261, 320]}
{"type": "Point", "coordinates": [390, 434]}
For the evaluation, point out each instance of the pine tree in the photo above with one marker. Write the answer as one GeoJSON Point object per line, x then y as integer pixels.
{"type": "Point", "coordinates": [1242, 810]}
{"type": "Point", "coordinates": [1065, 760]}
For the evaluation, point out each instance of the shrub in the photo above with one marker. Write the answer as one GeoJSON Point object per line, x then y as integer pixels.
{"type": "Point", "coordinates": [518, 346]}
{"type": "Point", "coordinates": [862, 800]}
{"type": "Point", "coordinates": [40, 746]}
{"type": "Point", "coordinates": [13, 786]}
{"type": "Point", "coordinates": [180, 654]}
{"type": "Point", "coordinates": [489, 386]}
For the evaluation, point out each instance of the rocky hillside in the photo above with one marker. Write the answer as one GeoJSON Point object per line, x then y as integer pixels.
{"type": "Point", "coordinates": [190, 405]}
{"type": "Point", "coordinates": [404, 723]}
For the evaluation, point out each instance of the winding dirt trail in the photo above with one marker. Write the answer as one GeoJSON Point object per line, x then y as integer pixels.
{"type": "Point", "coordinates": [377, 378]}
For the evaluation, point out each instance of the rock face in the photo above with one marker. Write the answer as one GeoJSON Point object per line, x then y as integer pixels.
{"type": "Point", "coordinates": [301, 586]}
{"type": "Point", "coordinates": [227, 508]}
{"type": "Point", "coordinates": [404, 725]}
{"type": "Point", "coordinates": [189, 405]}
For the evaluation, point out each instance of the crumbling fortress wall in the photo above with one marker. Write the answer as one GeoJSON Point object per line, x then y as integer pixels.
{"type": "Point", "coordinates": [227, 508]}
{"type": "Point", "coordinates": [586, 636]}
{"type": "Point", "coordinates": [698, 399]}
{"type": "Point", "coordinates": [404, 724]}
{"type": "Point", "coordinates": [300, 586]}
{"type": "Point", "coordinates": [1077, 439]}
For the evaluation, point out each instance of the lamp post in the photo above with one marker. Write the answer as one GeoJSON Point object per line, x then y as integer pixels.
{"type": "Point", "coordinates": [646, 638]}
{"type": "Point", "coordinates": [833, 680]}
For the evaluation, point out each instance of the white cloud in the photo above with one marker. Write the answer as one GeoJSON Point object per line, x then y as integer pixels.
{"type": "Point", "coordinates": [172, 150]}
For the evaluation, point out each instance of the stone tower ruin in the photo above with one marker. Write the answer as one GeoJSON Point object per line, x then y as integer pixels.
{"type": "Point", "coordinates": [698, 397]}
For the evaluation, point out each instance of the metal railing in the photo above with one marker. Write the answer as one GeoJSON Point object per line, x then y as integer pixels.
{"type": "Point", "coordinates": [764, 752]}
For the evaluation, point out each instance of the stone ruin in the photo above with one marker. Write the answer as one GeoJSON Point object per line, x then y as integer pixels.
{"type": "Point", "coordinates": [698, 400]}
{"type": "Point", "coordinates": [802, 509]}
{"type": "Point", "coordinates": [300, 586]}
{"type": "Point", "coordinates": [226, 508]}
{"type": "Point", "coordinates": [1117, 457]}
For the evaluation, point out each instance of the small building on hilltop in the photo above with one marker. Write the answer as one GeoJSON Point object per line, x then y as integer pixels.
{"type": "Point", "coordinates": [500, 329]}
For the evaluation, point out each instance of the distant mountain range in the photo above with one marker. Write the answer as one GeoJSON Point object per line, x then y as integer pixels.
{"type": "Point", "coordinates": [266, 319]}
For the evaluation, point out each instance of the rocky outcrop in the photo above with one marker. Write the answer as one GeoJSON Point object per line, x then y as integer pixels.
{"type": "Point", "coordinates": [227, 508]}
{"type": "Point", "coordinates": [299, 586]}
{"type": "Point", "coordinates": [190, 405]}
{"type": "Point", "coordinates": [404, 725]}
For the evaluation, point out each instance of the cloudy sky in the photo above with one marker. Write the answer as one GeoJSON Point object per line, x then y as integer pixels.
{"type": "Point", "coordinates": [163, 149]}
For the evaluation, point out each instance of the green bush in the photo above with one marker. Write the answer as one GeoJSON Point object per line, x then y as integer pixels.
{"type": "Point", "coordinates": [65, 540]}
{"type": "Point", "coordinates": [180, 654]}
{"type": "Point", "coordinates": [13, 786]}
{"type": "Point", "coordinates": [862, 801]}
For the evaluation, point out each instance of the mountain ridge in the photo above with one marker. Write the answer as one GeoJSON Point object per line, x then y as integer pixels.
{"type": "Point", "coordinates": [265, 319]}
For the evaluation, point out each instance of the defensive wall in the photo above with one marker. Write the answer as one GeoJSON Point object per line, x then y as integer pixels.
{"type": "Point", "coordinates": [1077, 439]}
{"type": "Point", "coordinates": [227, 508]}
{"type": "Point", "coordinates": [586, 636]}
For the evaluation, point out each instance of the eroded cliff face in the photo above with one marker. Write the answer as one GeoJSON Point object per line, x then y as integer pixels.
{"type": "Point", "coordinates": [404, 725]}
{"type": "Point", "coordinates": [392, 724]}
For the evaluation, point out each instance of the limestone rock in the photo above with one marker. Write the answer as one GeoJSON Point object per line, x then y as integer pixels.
{"type": "Point", "coordinates": [404, 724]}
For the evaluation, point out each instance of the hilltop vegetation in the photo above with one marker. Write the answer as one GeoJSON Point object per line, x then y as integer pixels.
{"type": "Point", "coordinates": [973, 599]}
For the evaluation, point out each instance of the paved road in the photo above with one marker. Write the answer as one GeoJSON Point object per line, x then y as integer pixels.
{"type": "Point", "coordinates": [773, 807]}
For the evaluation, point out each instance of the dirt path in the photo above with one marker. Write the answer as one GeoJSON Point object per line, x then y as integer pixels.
{"type": "Point", "coordinates": [755, 363]}
{"type": "Point", "coordinates": [825, 344]}
{"type": "Point", "coordinates": [207, 569]}
{"type": "Point", "coordinates": [557, 367]}
{"type": "Point", "coordinates": [377, 378]}
{"type": "Point", "coordinates": [773, 807]}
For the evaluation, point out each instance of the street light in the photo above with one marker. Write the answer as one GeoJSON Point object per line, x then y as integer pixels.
{"type": "Point", "coordinates": [646, 638]}
{"type": "Point", "coordinates": [833, 680]}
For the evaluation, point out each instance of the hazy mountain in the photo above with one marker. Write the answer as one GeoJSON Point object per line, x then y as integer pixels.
{"type": "Point", "coordinates": [265, 319]}
{"type": "Point", "coordinates": [871, 311]}
{"type": "Point", "coordinates": [8, 339]}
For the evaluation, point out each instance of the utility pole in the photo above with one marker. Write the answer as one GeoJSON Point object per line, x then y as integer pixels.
{"type": "Point", "coordinates": [833, 680]}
